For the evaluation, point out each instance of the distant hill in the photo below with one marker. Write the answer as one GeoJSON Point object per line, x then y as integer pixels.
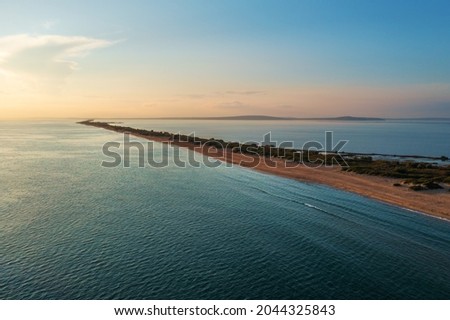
{"type": "Point", "coordinates": [263, 117]}
{"type": "Point", "coordinates": [350, 118]}
{"type": "Point", "coordinates": [244, 117]}
{"type": "Point", "coordinates": [422, 119]}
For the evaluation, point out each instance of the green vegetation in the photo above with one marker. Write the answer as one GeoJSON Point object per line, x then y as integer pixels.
{"type": "Point", "coordinates": [420, 175]}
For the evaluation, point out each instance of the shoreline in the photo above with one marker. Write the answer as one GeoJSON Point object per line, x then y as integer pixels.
{"type": "Point", "coordinates": [375, 188]}
{"type": "Point", "coordinates": [434, 203]}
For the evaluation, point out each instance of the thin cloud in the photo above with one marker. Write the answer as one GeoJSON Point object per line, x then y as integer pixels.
{"type": "Point", "coordinates": [244, 93]}
{"type": "Point", "coordinates": [49, 24]}
{"type": "Point", "coordinates": [199, 96]}
{"type": "Point", "coordinates": [231, 105]}
{"type": "Point", "coordinates": [47, 56]}
{"type": "Point", "coordinates": [193, 96]}
{"type": "Point", "coordinates": [150, 105]}
{"type": "Point", "coordinates": [286, 106]}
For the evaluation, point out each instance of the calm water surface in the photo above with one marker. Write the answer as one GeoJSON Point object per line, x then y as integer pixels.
{"type": "Point", "coordinates": [70, 229]}
{"type": "Point", "coordinates": [428, 138]}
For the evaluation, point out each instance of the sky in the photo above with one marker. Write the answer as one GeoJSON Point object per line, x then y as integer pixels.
{"type": "Point", "coordinates": [301, 58]}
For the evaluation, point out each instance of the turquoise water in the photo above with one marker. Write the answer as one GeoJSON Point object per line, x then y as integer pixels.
{"type": "Point", "coordinates": [401, 137]}
{"type": "Point", "coordinates": [71, 229]}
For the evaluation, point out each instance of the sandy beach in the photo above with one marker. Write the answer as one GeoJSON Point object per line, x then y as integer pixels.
{"type": "Point", "coordinates": [435, 203]}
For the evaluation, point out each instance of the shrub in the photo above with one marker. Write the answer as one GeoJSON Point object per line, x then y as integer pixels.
{"type": "Point", "coordinates": [417, 187]}
{"type": "Point", "coordinates": [432, 185]}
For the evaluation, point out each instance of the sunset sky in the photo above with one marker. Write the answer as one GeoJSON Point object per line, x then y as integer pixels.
{"type": "Point", "coordinates": [302, 58]}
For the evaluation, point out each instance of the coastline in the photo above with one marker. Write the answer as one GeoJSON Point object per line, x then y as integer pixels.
{"type": "Point", "coordinates": [434, 203]}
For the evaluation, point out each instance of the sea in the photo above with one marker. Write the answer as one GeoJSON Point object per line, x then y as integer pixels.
{"type": "Point", "coordinates": [394, 137]}
{"type": "Point", "coordinates": [71, 228]}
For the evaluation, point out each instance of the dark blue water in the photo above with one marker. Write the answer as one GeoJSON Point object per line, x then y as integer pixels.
{"type": "Point", "coordinates": [70, 229]}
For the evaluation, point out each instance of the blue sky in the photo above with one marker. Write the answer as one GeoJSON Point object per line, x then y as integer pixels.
{"type": "Point", "coordinates": [188, 58]}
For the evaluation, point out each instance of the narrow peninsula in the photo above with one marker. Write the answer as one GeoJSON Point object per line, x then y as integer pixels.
{"type": "Point", "coordinates": [412, 184]}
